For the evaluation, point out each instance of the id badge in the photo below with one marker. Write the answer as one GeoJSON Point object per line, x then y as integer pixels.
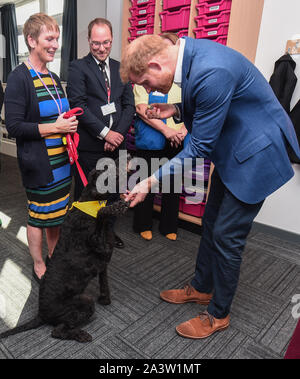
{"type": "Point", "coordinates": [108, 109]}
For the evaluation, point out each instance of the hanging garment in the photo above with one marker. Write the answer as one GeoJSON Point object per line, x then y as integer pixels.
{"type": "Point", "coordinates": [283, 82]}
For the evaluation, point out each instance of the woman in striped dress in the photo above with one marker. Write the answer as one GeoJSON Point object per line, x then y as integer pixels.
{"type": "Point", "coordinates": [35, 104]}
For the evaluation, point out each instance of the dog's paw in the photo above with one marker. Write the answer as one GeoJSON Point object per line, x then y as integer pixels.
{"type": "Point", "coordinates": [83, 337]}
{"type": "Point", "coordinates": [123, 206]}
{"type": "Point", "coordinates": [104, 300]}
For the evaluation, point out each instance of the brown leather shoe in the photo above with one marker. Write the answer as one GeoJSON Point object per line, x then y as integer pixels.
{"type": "Point", "coordinates": [202, 326]}
{"type": "Point", "coordinates": [185, 295]}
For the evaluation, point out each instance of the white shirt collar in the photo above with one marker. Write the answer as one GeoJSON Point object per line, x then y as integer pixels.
{"type": "Point", "coordinates": [106, 61]}
{"type": "Point", "coordinates": [178, 70]}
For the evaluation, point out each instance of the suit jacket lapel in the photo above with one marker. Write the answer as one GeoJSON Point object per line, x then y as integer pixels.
{"type": "Point", "coordinates": [95, 69]}
{"type": "Point", "coordinates": [114, 72]}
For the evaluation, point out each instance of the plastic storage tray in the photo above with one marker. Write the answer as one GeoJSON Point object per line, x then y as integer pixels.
{"type": "Point", "coordinates": [137, 32]}
{"type": "Point", "coordinates": [141, 3]}
{"type": "Point", "coordinates": [142, 21]}
{"type": "Point", "coordinates": [142, 11]}
{"type": "Point", "coordinates": [220, 30]}
{"type": "Point", "coordinates": [196, 210]}
{"type": "Point", "coordinates": [222, 39]}
{"type": "Point", "coordinates": [172, 4]}
{"type": "Point", "coordinates": [183, 33]}
{"type": "Point", "coordinates": [175, 20]}
{"type": "Point", "coordinates": [209, 7]}
{"type": "Point", "coordinates": [212, 20]}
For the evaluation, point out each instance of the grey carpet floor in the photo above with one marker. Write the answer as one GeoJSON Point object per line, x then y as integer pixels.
{"type": "Point", "coordinates": [138, 324]}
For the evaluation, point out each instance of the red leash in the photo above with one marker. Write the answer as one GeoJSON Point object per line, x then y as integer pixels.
{"type": "Point", "coordinates": [71, 140]}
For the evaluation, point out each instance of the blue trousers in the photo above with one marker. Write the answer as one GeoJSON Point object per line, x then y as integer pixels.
{"type": "Point", "coordinates": [226, 224]}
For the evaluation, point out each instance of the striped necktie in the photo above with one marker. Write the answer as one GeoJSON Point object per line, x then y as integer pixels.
{"type": "Point", "coordinates": [102, 66]}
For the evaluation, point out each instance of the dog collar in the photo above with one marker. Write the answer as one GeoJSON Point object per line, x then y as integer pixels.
{"type": "Point", "coordinates": [89, 207]}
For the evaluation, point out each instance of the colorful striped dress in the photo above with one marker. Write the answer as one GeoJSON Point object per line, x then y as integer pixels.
{"type": "Point", "coordinates": [48, 205]}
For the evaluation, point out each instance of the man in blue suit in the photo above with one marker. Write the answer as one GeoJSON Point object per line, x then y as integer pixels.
{"type": "Point", "coordinates": [235, 121]}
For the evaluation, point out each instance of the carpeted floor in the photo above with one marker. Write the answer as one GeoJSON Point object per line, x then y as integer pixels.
{"type": "Point", "coordinates": [138, 324]}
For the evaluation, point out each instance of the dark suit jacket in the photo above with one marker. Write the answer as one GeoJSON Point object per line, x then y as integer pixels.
{"type": "Point", "coordinates": [86, 89]}
{"type": "Point", "coordinates": [22, 117]}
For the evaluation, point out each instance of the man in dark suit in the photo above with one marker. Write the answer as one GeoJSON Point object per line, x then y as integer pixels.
{"type": "Point", "coordinates": [235, 121]}
{"type": "Point", "coordinates": [94, 84]}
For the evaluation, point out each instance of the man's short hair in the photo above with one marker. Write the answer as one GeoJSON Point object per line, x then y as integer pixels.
{"type": "Point", "coordinates": [34, 24]}
{"type": "Point", "coordinates": [99, 21]}
{"type": "Point", "coordinates": [138, 53]}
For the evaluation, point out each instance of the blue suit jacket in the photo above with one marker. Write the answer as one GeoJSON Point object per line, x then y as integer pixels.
{"type": "Point", "coordinates": [235, 121]}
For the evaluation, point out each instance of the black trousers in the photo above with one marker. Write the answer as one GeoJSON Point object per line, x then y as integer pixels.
{"type": "Point", "coordinates": [143, 212]}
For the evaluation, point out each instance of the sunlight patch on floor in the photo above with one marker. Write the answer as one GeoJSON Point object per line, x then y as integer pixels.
{"type": "Point", "coordinates": [5, 220]}
{"type": "Point", "coordinates": [22, 235]}
{"type": "Point", "coordinates": [15, 289]}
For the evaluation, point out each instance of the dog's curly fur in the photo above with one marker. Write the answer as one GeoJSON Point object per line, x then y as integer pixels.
{"type": "Point", "coordinates": [83, 251]}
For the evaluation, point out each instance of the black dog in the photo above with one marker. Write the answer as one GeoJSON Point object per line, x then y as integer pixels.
{"type": "Point", "coordinates": [83, 251]}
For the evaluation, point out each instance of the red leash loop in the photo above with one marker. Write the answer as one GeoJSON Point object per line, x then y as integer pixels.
{"type": "Point", "coordinates": [71, 140]}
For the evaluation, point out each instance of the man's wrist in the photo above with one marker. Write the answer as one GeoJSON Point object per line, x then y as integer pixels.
{"type": "Point", "coordinates": [104, 133]}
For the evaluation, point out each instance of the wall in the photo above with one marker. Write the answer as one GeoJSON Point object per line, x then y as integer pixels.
{"type": "Point", "coordinates": [90, 9]}
{"type": "Point", "coordinates": [280, 21]}
{"type": "Point", "coordinates": [87, 10]}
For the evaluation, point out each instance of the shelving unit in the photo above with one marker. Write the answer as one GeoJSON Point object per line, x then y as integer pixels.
{"type": "Point", "coordinates": [244, 24]}
{"type": "Point", "coordinates": [239, 32]}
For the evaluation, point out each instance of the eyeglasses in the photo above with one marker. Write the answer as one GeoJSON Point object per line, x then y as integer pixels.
{"type": "Point", "coordinates": [97, 44]}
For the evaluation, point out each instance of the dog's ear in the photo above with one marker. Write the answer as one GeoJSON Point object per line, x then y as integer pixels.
{"type": "Point", "coordinates": [128, 158]}
{"type": "Point", "coordinates": [93, 175]}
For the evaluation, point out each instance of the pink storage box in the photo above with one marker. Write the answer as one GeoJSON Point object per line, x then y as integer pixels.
{"type": "Point", "coordinates": [141, 21]}
{"type": "Point", "coordinates": [221, 39]}
{"type": "Point", "coordinates": [183, 33]}
{"type": "Point", "coordinates": [171, 4]}
{"type": "Point", "coordinates": [196, 210]}
{"type": "Point", "coordinates": [142, 12]}
{"type": "Point", "coordinates": [209, 7]}
{"type": "Point", "coordinates": [137, 32]}
{"type": "Point", "coordinates": [175, 20]}
{"type": "Point", "coordinates": [212, 20]}
{"type": "Point", "coordinates": [220, 30]}
{"type": "Point", "coordinates": [141, 3]}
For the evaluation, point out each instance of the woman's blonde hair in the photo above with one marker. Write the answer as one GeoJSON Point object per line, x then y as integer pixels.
{"type": "Point", "coordinates": [138, 53]}
{"type": "Point", "coordinates": [34, 24]}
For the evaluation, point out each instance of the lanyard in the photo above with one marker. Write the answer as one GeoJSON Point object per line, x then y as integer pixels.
{"type": "Point", "coordinates": [59, 106]}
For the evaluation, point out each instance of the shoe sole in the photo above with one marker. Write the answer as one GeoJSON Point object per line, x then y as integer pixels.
{"type": "Point", "coordinates": [203, 302]}
{"type": "Point", "coordinates": [197, 338]}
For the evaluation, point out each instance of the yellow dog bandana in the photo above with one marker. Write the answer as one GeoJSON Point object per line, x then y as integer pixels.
{"type": "Point", "coordinates": [89, 207]}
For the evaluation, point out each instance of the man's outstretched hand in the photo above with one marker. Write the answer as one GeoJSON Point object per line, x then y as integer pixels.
{"type": "Point", "coordinates": [140, 191]}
